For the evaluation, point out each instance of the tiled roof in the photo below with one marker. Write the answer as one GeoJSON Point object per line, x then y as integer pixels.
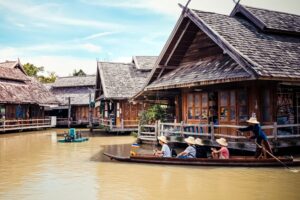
{"type": "Point", "coordinates": [9, 64]}
{"type": "Point", "coordinates": [12, 74]}
{"type": "Point", "coordinates": [74, 81]}
{"type": "Point", "coordinates": [144, 62]}
{"type": "Point", "coordinates": [276, 20]}
{"type": "Point", "coordinates": [209, 71]}
{"type": "Point", "coordinates": [275, 56]}
{"type": "Point", "coordinates": [121, 80]}
{"type": "Point", "coordinates": [79, 95]}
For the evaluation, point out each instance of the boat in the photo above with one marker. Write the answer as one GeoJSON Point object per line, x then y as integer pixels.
{"type": "Point", "coordinates": [82, 139]}
{"type": "Point", "coordinates": [231, 162]}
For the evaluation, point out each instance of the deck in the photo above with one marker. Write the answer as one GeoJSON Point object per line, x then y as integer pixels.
{"type": "Point", "coordinates": [124, 126]}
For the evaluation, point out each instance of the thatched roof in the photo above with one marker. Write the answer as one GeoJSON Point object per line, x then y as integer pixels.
{"type": "Point", "coordinates": [75, 81]}
{"type": "Point", "coordinates": [76, 87]}
{"type": "Point", "coordinates": [263, 53]}
{"type": "Point", "coordinates": [17, 88]}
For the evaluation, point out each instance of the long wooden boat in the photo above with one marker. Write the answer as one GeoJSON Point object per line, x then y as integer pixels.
{"type": "Point", "coordinates": [234, 161]}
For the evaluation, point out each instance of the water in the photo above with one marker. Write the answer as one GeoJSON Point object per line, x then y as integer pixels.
{"type": "Point", "coordinates": [34, 166]}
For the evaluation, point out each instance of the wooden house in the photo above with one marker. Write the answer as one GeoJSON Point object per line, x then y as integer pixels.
{"type": "Point", "coordinates": [116, 84]}
{"type": "Point", "coordinates": [221, 69]}
{"type": "Point", "coordinates": [75, 94]}
{"type": "Point", "coordinates": [22, 99]}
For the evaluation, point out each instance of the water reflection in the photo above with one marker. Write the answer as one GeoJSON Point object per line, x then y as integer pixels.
{"type": "Point", "coordinates": [35, 166]}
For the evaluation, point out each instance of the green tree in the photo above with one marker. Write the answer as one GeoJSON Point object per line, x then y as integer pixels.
{"type": "Point", "coordinates": [48, 79]}
{"type": "Point", "coordinates": [80, 72]}
{"type": "Point", "coordinates": [32, 70]}
{"type": "Point", "coordinates": [152, 114]}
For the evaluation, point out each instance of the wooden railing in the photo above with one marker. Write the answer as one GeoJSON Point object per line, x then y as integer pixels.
{"type": "Point", "coordinates": [16, 124]}
{"type": "Point", "coordinates": [211, 130]}
{"type": "Point", "coordinates": [125, 124]}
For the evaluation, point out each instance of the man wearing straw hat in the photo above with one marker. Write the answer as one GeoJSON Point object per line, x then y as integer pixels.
{"type": "Point", "coordinates": [165, 150]}
{"type": "Point", "coordinates": [190, 151]}
{"type": "Point", "coordinates": [259, 135]}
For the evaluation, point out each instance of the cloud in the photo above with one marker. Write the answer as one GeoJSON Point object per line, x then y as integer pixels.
{"type": "Point", "coordinates": [98, 35]}
{"type": "Point", "coordinates": [53, 13]}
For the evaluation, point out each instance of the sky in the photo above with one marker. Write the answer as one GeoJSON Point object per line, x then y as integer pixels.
{"type": "Point", "coordinates": [74, 34]}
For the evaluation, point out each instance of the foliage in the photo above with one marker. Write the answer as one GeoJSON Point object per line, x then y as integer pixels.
{"type": "Point", "coordinates": [80, 72]}
{"type": "Point", "coordinates": [154, 113]}
{"type": "Point", "coordinates": [33, 71]}
{"type": "Point", "coordinates": [134, 134]}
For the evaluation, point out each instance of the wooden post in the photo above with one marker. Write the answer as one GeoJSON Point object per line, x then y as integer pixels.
{"type": "Point", "coordinates": [139, 130]}
{"type": "Point", "coordinates": [110, 124]}
{"type": "Point", "coordinates": [122, 123]}
{"type": "Point", "coordinates": [275, 131]}
{"type": "Point", "coordinates": [212, 134]}
{"type": "Point", "coordinates": [157, 129]}
{"type": "Point", "coordinates": [69, 112]}
{"type": "Point", "coordinates": [90, 111]}
{"type": "Point", "coordinates": [181, 128]}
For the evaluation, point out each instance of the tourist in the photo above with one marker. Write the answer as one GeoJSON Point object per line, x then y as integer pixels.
{"type": "Point", "coordinates": [165, 150]}
{"type": "Point", "coordinates": [190, 151]}
{"type": "Point", "coordinates": [259, 135]}
{"type": "Point", "coordinates": [223, 152]}
{"type": "Point", "coordinates": [201, 150]}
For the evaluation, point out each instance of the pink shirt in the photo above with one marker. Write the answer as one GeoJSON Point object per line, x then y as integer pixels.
{"type": "Point", "coordinates": [224, 153]}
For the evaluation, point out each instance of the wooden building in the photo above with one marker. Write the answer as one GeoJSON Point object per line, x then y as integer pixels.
{"type": "Point", "coordinates": [22, 99]}
{"type": "Point", "coordinates": [116, 84]}
{"type": "Point", "coordinates": [222, 69]}
{"type": "Point", "coordinates": [74, 94]}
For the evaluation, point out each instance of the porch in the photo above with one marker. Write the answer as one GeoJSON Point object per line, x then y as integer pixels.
{"type": "Point", "coordinates": [123, 126]}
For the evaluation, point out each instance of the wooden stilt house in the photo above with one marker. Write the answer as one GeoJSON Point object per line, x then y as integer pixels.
{"type": "Point", "coordinates": [75, 94]}
{"type": "Point", "coordinates": [116, 84]}
{"type": "Point", "coordinates": [222, 69]}
{"type": "Point", "coordinates": [22, 99]}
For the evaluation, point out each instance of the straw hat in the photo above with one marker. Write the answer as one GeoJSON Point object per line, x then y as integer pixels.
{"type": "Point", "coordinates": [198, 141]}
{"type": "Point", "coordinates": [163, 139]}
{"type": "Point", "coordinates": [253, 119]}
{"type": "Point", "coordinates": [190, 140]}
{"type": "Point", "coordinates": [222, 142]}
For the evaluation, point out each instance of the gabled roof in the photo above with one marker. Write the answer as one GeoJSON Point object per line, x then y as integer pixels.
{"type": "Point", "coordinates": [144, 62]}
{"type": "Point", "coordinates": [120, 80]}
{"type": "Point", "coordinates": [79, 95]}
{"type": "Point", "coordinates": [75, 81]}
{"type": "Point", "coordinates": [262, 55]}
{"type": "Point", "coordinates": [269, 20]}
{"type": "Point", "coordinates": [212, 70]}
{"type": "Point", "coordinates": [18, 88]}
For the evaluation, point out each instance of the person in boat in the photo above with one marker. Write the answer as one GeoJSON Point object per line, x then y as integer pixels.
{"type": "Point", "coordinates": [190, 151]}
{"type": "Point", "coordinates": [223, 152]}
{"type": "Point", "coordinates": [165, 149]}
{"type": "Point", "coordinates": [201, 150]}
{"type": "Point", "coordinates": [259, 135]}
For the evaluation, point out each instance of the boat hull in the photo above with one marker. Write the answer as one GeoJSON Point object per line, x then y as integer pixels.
{"type": "Point", "coordinates": [235, 161]}
{"type": "Point", "coordinates": [75, 140]}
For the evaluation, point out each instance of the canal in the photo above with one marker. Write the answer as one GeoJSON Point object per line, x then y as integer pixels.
{"type": "Point", "coordinates": [34, 166]}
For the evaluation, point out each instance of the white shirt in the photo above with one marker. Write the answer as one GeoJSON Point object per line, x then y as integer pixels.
{"type": "Point", "coordinates": [166, 150]}
{"type": "Point", "coordinates": [191, 152]}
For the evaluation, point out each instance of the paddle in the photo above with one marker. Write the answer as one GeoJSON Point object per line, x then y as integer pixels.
{"type": "Point", "coordinates": [292, 170]}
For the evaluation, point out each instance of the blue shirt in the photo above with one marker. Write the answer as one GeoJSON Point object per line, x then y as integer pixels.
{"type": "Point", "coordinates": [259, 135]}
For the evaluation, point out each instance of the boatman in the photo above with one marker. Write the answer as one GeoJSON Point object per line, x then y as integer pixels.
{"type": "Point", "coordinates": [259, 135]}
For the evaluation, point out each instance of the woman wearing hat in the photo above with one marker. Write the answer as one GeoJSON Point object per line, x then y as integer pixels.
{"type": "Point", "coordinates": [190, 151]}
{"type": "Point", "coordinates": [222, 153]}
{"type": "Point", "coordinates": [259, 135]}
{"type": "Point", "coordinates": [201, 150]}
{"type": "Point", "coordinates": [165, 150]}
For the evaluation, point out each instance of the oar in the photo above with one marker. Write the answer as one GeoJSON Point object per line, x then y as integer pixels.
{"type": "Point", "coordinates": [292, 170]}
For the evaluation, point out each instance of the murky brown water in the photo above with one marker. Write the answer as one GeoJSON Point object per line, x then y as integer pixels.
{"type": "Point", "coordinates": [34, 166]}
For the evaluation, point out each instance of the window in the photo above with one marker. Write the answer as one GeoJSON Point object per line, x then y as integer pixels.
{"type": "Point", "coordinates": [266, 112]}
{"type": "Point", "coordinates": [242, 105]}
{"type": "Point", "coordinates": [224, 106]}
{"type": "Point", "coordinates": [190, 106]}
{"type": "Point", "coordinates": [204, 106]}
{"type": "Point", "coordinates": [232, 106]}
{"type": "Point", "coordinates": [2, 111]}
{"type": "Point", "coordinates": [197, 106]}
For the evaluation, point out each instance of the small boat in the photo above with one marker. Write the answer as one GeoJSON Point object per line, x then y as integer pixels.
{"type": "Point", "coordinates": [233, 161]}
{"type": "Point", "coordinates": [82, 139]}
